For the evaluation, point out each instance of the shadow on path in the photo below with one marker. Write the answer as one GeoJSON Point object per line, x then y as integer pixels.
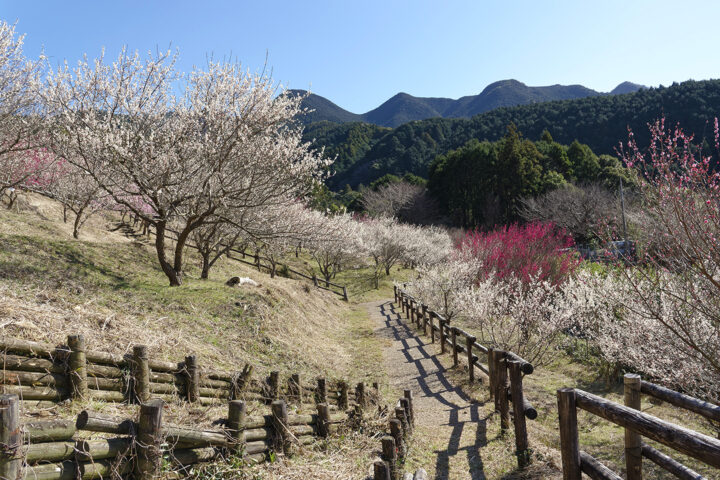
{"type": "Point", "coordinates": [449, 406]}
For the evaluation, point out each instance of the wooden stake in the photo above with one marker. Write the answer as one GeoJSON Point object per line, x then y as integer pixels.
{"type": "Point", "coordinates": [442, 334]}
{"type": "Point", "coordinates": [77, 365]}
{"type": "Point", "coordinates": [192, 380]}
{"type": "Point", "coordinates": [389, 455]}
{"type": "Point", "coordinates": [148, 440]}
{"type": "Point", "coordinates": [323, 424]}
{"type": "Point", "coordinates": [343, 397]}
{"type": "Point", "coordinates": [401, 415]}
{"type": "Point", "coordinates": [521, 439]}
{"type": "Point", "coordinates": [141, 374]}
{"type": "Point", "coordinates": [381, 470]}
{"type": "Point", "coordinates": [405, 404]}
{"type": "Point", "coordinates": [409, 395]}
{"type": "Point", "coordinates": [280, 422]}
{"type": "Point", "coordinates": [360, 395]}
{"type": "Point", "coordinates": [321, 392]}
{"type": "Point", "coordinates": [471, 366]}
{"type": "Point", "coordinates": [491, 372]}
{"type": "Point", "coordinates": [502, 390]}
{"type": "Point", "coordinates": [10, 437]}
{"type": "Point", "coordinates": [633, 441]}
{"type": "Point", "coordinates": [236, 422]}
{"type": "Point", "coordinates": [274, 385]}
{"type": "Point", "coordinates": [397, 433]}
{"type": "Point", "coordinates": [569, 443]}
{"type": "Point", "coordinates": [453, 338]}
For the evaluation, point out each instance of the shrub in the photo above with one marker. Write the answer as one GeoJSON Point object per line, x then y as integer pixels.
{"type": "Point", "coordinates": [537, 251]}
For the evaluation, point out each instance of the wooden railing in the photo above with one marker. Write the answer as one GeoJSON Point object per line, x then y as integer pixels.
{"type": "Point", "coordinates": [503, 374]}
{"type": "Point", "coordinates": [637, 425]}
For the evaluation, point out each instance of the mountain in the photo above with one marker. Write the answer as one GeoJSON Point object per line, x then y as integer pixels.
{"type": "Point", "coordinates": [366, 152]}
{"type": "Point", "coordinates": [626, 87]}
{"type": "Point", "coordinates": [324, 110]}
{"type": "Point", "coordinates": [404, 108]}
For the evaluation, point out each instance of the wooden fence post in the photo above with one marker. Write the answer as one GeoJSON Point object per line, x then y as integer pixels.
{"type": "Point", "coordinates": [241, 380]}
{"type": "Point", "coordinates": [345, 295]}
{"type": "Point", "coordinates": [405, 404]}
{"type": "Point", "coordinates": [77, 365]}
{"type": "Point", "coordinates": [633, 441]}
{"type": "Point", "coordinates": [409, 395]}
{"type": "Point", "coordinates": [395, 295]}
{"type": "Point", "coordinates": [323, 424]}
{"type": "Point", "coordinates": [442, 334]}
{"type": "Point", "coordinates": [295, 390]}
{"type": "Point", "coordinates": [148, 440]}
{"type": "Point", "coordinates": [502, 389]}
{"type": "Point", "coordinates": [471, 366]}
{"type": "Point", "coordinates": [411, 311]}
{"type": "Point", "coordinates": [569, 443]}
{"type": "Point", "coordinates": [397, 434]}
{"type": "Point", "coordinates": [424, 319]}
{"type": "Point", "coordinates": [360, 395]}
{"type": "Point", "coordinates": [389, 454]}
{"type": "Point", "coordinates": [10, 437]}
{"type": "Point", "coordinates": [401, 414]}
{"type": "Point", "coordinates": [381, 470]}
{"type": "Point", "coordinates": [280, 423]}
{"type": "Point", "coordinates": [491, 371]}
{"type": "Point", "coordinates": [192, 380]}
{"type": "Point", "coordinates": [274, 385]}
{"type": "Point", "coordinates": [321, 390]}
{"type": "Point", "coordinates": [343, 397]}
{"type": "Point", "coordinates": [236, 422]}
{"type": "Point", "coordinates": [141, 374]}
{"type": "Point", "coordinates": [432, 327]}
{"type": "Point", "coordinates": [453, 337]}
{"type": "Point", "coordinates": [518, 398]}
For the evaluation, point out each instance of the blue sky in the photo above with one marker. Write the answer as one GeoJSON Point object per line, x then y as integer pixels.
{"type": "Point", "coordinates": [360, 53]}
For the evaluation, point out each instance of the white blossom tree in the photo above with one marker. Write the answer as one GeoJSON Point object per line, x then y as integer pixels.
{"type": "Point", "coordinates": [21, 137]}
{"type": "Point", "coordinates": [223, 145]}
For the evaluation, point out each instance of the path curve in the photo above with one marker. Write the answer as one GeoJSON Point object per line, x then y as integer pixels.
{"type": "Point", "coordinates": [442, 411]}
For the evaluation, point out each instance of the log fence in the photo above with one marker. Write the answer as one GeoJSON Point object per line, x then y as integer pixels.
{"type": "Point", "coordinates": [394, 445]}
{"type": "Point", "coordinates": [502, 372]}
{"type": "Point", "coordinates": [70, 449]}
{"type": "Point", "coordinates": [43, 374]}
{"type": "Point", "coordinates": [637, 425]}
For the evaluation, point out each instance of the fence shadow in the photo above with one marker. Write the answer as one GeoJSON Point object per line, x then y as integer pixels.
{"type": "Point", "coordinates": [426, 373]}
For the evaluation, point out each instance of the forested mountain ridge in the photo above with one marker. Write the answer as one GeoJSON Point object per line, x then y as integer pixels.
{"type": "Point", "coordinates": [601, 122]}
{"type": "Point", "coordinates": [403, 108]}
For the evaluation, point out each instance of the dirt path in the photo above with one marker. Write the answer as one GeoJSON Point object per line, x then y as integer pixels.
{"type": "Point", "coordinates": [456, 427]}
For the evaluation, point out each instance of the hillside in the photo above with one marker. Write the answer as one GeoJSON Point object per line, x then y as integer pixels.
{"type": "Point", "coordinates": [109, 287]}
{"type": "Point", "coordinates": [599, 121]}
{"type": "Point", "coordinates": [403, 108]}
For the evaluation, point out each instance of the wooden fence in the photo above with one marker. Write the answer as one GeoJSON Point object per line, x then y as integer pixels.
{"type": "Point", "coordinates": [395, 444]}
{"type": "Point", "coordinates": [64, 449]}
{"type": "Point", "coordinates": [637, 425]}
{"type": "Point", "coordinates": [42, 374]}
{"type": "Point", "coordinates": [340, 290]}
{"type": "Point", "coordinates": [503, 374]}
{"type": "Point", "coordinates": [320, 283]}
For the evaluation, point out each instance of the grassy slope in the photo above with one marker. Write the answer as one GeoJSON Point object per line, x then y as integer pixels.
{"type": "Point", "coordinates": [109, 288]}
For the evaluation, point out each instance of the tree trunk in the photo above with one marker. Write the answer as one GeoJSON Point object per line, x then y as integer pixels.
{"type": "Point", "coordinates": [205, 265]}
{"type": "Point", "coordinates": [173, 276]}
{"type": "Point", "coordinates": [76, 226]}
{"type": "Point", "coordinates": [387, 270]}
{"type": "Point", "coordinates": [65, 214]}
